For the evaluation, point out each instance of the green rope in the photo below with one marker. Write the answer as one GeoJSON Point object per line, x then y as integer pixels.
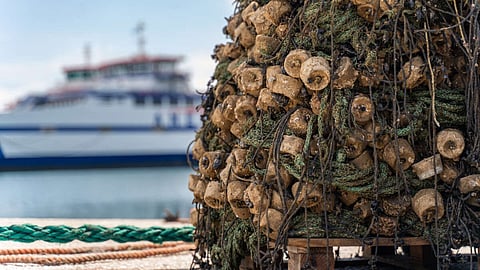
{"type": "Point", "coordinates": [94, 233]}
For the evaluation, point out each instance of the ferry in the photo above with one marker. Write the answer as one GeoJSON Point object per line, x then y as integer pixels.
{"type": "Point", "coordinates": [136, 111]}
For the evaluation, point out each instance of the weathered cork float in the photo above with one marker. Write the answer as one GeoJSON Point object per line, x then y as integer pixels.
{"type": "Point", "coordinates": [348, 119]}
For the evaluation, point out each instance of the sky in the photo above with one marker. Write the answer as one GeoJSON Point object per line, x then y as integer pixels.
{"type": "Point", "coordinates": [40, 37]}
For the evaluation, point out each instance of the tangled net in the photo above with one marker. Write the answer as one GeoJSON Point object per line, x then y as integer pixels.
{"type": "Point", "coordinates": [348, 119]}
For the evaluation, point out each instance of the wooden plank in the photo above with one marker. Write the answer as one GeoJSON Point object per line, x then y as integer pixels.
{"type": "Point", "coordinates": [316, 257]}
{"type": "Point", "coordinates": [334, 242]}
{"type": "Point", "coordinates": [303, 251]}
{"type": "Point", "coordinates": [423, 255]}
{"type": "Point", "coordinates": [417, 253]}
{"type": "Point", "coordinates": [397, 262]}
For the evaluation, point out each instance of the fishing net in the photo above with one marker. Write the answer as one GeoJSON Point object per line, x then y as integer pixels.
{"type": "Point", "coordinates": [339, 119]}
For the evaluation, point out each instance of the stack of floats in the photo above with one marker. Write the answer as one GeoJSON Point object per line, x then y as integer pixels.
{"type": "Point", "coordinates": [349, 119]}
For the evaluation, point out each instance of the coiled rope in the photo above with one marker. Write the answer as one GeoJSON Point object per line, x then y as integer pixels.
{"type": "Point", "coordinates": [59, 256]}
{"type": "Point", "coordinates": [164, 241]}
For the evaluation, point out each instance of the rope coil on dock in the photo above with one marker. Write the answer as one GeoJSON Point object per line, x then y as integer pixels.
{"type": "Point", "coordinates": [164, 241]}
{"type": "Point", "coordinates": [59, 256]}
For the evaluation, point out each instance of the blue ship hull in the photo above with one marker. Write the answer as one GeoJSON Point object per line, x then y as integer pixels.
{"type": "Point", "coordinates": [47, 163]}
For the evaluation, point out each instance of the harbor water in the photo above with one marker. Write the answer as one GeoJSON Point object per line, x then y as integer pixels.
{"type": "Point", "coordinates": [96, 193]}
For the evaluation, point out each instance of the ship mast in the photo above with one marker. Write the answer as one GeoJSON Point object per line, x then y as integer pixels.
{"type": "Point", "coordinates": [140, 31]}
{"type": "Point", "coordinates": [87, 54]}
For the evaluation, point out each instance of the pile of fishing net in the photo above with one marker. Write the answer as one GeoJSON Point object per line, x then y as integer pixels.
{"type": "Point", "coordinates": [348, 119]}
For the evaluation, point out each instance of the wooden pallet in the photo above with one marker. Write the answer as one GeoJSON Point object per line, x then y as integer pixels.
{"type": "Point", "coordinates": [318, 252]}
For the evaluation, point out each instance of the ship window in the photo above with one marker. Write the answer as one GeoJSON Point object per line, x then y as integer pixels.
{"type": "Point", "coordinates": [157, 100]}
{"type": "Point", "coordinates": [129, 68]}
{"type": "Point", "coordinates": [106, 98]}
{"type": "Point", "coordinates": [120, 70]}
{"type": "Point", "coordinates": [39, 101]}
{"type": "Point", "coordinates": [87, 74]}
{"type": "Point", "coordinates": [78, 75]}
{"type": "Point", "coordinates": [139, 68]}
{"type": "Point", "coordinates": [71, 75]}
{"type": "Point", "coordinates": [189, 101]}
{"type": "Point", "coordinates": [165, 67]}
{"type": "Point", "coordinates": [173, 100]}
{"type": "Point", "coordinates": [139, 100]}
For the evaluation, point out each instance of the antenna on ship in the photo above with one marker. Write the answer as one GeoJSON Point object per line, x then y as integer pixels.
{"type": "Point", "coordinates": [87, 53]}
{"type": "Point", "coordinates": [140, 31]}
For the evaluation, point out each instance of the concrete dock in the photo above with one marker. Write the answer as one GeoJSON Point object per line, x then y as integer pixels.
{"type": "Point", "coordinates": [180, 260]}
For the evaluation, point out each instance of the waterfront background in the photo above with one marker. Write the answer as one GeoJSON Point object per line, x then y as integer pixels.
{"type": "Point", "coordinates": [77, 32]}
{"type": "Point", "coordinates": [96, 193]}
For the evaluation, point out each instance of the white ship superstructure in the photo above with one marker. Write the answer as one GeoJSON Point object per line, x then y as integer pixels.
{"type": "Point", "coordinates": [136, 111]}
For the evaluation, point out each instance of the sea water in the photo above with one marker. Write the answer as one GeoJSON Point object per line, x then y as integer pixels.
{"type": "Point", "coordinates": [96, 193]}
